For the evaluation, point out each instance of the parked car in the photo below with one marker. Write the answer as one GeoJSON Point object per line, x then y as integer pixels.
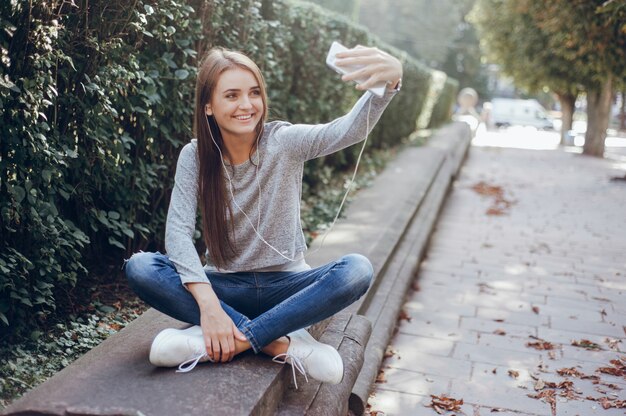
{"type": "Point", "coordinates": [516, 112]}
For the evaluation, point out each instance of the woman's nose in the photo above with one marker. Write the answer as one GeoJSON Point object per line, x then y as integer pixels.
{"type": "Point", "coordinates": [245, 103]}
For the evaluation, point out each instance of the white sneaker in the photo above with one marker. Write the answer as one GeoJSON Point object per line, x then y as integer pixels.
{"type": "Point", "coordinates": [179, 347]}
{"type": "Point", "coordinates": [308, 356]}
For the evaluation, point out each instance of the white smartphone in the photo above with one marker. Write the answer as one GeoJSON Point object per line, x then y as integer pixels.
{"type": "Point", "coordinates": [335, 48]}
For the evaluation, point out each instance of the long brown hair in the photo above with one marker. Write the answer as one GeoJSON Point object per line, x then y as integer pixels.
{"type": "Point", "coordinates": [214, 202]}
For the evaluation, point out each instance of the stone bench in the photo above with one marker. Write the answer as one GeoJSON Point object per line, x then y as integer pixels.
{"type": "Point", "coordinates": [389, 222]}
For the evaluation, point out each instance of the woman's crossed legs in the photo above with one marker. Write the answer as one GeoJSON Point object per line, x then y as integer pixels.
{"type": "Point", "coordinates": [264, 306]}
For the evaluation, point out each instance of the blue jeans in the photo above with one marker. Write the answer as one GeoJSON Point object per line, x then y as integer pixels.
{"type": "Point", "coordinates": [264, 306]}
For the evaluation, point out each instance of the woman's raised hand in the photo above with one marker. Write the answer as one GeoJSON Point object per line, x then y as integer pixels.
{"type": "Point", "coordinates": [378, 66]}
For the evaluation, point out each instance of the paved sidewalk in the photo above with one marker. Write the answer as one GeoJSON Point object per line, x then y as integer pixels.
{"type": "Point", "coordinates": [545, 260]}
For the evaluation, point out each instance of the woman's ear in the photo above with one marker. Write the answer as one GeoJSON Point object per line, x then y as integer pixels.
{"type": "Point", "coordinates": [207, 110]}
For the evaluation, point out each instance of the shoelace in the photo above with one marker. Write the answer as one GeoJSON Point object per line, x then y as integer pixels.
{"type": "Point", "coordinates": [193, 362]}
{"type": "Point", "coordinates": [296, 364]}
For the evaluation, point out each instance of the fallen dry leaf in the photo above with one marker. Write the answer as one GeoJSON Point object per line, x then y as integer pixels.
{"type": "Point", "coordinates": [390, 352]}
{"type": "Point", "coordinates": [594, 379]}
{"type": "Point", "coordinates": [442, 404]}
{"type": "Point", "coordinates": [607, 403]}
{"type": "Point", "coordinates": [611, 386]}
{"type": "Point", "coordinates": [569, 372]}
{"type": "Point", "coordinates": [541, 345]}
{"type": "Point", "coordinates": [482, 188]}
{"type": "Point", "coordinates": [585, 343]}
{"type": "Point", "coordinates": [566, 384]}
{"type": "Point", "coordinates": [499, 332]}
{"type": "Point", "coordinates": [613, 343]}
{"type": "Point", "coordinates": [552, 355]}
{"type": "Point", "coordinates": [535, 309]}
{"type": "Point", "coordinates": [404, 316]}
{"type": "Point", "coordinates": [514, 373]}
{"type": "Point", "coordinates": [618, 369]}
{"type": "Point", "coordinates": [499, 204]}
{"type": "Point", "coordinates": [496, 211]}
{"type": "Point", "coordinates": [548, 396]}
{"type": "Point", "coordinates": [539, 385]}
{"type": "Point", "coordinates": [380, 378]}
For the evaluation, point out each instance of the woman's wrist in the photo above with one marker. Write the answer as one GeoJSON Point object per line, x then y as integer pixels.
{"type": "Point", "coordinates": [203, 294]}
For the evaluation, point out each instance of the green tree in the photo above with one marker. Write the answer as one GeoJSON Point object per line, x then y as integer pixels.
{"type": "Point", "coordinates": [581, 32]}
{"type": "Point", "coordinates": [463, 61]}
{"type": "Point", "coordinates": [424, 28]}
{"type": "Point", "coordinates": [513, 38]}
{"type": "Point", "coordinates": [567, 45]}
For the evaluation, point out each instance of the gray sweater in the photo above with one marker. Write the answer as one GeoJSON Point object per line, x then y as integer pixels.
{"type": "Point", "coordinates": [282, 150]}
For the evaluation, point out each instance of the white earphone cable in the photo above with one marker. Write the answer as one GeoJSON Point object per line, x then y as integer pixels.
{"type": "Point", "coordinates": [258, 150]}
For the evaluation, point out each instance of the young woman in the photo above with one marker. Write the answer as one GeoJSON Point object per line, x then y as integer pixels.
{"type": "Point", "coordinates": [256, 290]}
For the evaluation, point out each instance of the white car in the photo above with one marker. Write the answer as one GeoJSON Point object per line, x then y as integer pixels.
{"type": "Point", "coordinates": [516, 112]}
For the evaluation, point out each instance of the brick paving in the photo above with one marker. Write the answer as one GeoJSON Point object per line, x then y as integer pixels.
{"type": "Point", "coordinates": [551, 266]}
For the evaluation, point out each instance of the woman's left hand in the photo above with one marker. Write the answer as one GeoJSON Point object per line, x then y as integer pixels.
{"type": "Point", "coordinates": [378, 66]}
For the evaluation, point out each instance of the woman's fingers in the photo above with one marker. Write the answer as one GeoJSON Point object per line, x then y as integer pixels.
{"type": "Point", "coordinates": [231, 347]}
{"type": "Point", "coordinates": [360, 60]}
{"type": "Point", "coordinates": [238, 334]}
{"type": "Point", "coordinates": [358, 51]}
{"type": "Point", "coordinates": [363, 73]}
{"type": "Point", "coordinates": [219, 335]}
{"type": "Point", "coordinates": [223, 348]}
{"type": "Point", "coordinates": [209, 347]}
{"type": "Point", "coordinates": [376, 67]}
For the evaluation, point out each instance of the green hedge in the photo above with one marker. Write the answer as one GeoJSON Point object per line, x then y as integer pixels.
{"type": "Point", "coordinates": [97, 100]}
{"type": "Point", "coordinates": [442, 111]}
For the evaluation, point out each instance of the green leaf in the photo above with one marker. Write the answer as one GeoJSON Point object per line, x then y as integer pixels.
{"type": "Point", "coordinates": [46, 175]}
{"type": "Point", "coordinates": [181, 73]}
{"type": "Point", "coordinates": [116, 243]}
{"type": "Point", "coordinates": [4, 319]}
{"type": "Point", "coordinates": [7, 83]}
{"type": "Point", "coordinates": [106, 309]}
{"type": "Point", "coordinates": [18, 193]}
{"type": "Point", "coordinates": [114, 215]}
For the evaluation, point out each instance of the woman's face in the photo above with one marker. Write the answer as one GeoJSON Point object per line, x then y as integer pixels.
{"type": "Point", "coordinates": [236, 104]}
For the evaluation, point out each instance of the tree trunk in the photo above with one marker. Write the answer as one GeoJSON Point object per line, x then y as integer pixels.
{"type": "Point", "coordinates": [568, 103]}
{"type": "Point", "coordinates": [622, 112]}
{"type": "Point", "coordinates": [598, 113]}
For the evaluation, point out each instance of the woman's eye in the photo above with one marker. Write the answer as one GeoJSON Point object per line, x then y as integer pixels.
{"type": "Point", "coordinates": [230, 96]}
{"type": "Point", "coordinates": [256, 93]}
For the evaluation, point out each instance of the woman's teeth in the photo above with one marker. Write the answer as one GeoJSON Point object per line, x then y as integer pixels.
{"type": "Point", "coordinates": [246, 117]}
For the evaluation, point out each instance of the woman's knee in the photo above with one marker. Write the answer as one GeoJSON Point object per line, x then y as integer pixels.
{"type": "Point", "coordinates": [360, 271]}
{"type": "Point", "coordinates": [140, 267]}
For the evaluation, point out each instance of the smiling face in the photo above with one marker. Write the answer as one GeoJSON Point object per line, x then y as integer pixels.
{"type": "Point", "coordinates": [237, 104]}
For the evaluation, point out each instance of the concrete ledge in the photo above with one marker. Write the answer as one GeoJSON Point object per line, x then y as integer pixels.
{"type": "Point", "coordinates": [390, 222]}
{"type": "Point", "coordinates": [116, 378]}
{"type": "Point", "coordinates": [349, 334]}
